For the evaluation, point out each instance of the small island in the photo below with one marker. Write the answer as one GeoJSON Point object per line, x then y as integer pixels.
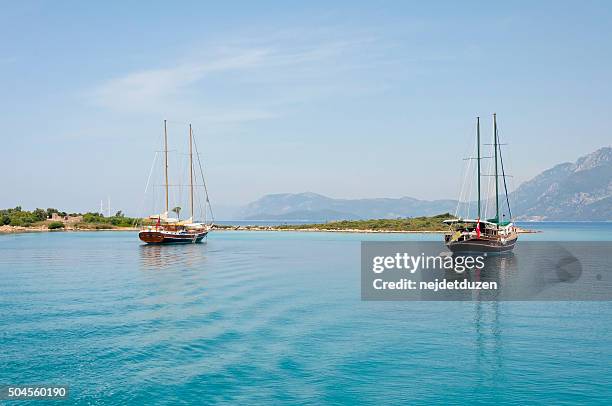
{"type": "Point", "coordinates": [423, 224]}
{"type": "Point", "coordinates": [16, 220]}
{"type": "Point", "coordinates": [19, 220]}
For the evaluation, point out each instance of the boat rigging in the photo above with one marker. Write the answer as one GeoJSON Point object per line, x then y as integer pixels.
{"type": "Point", "coordinates": [173, 230]}
{"type": "Point", "coordinates": [484, 235]}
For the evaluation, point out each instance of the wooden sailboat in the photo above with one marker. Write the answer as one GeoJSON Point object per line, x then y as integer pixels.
{"type": "Point", "coordinates": [484, 235]}
{"type": "Point", "coordinates": [170, 230]}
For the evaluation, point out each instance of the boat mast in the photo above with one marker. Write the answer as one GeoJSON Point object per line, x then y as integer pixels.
{"type": "Point", "coordinates": [478, 160]}
{"type": "Point", "coordinates": [166, 163]}
{"type": "Point", "coordinates": [191, 170]}
{"type": "Point", "coordinates": [495, 155]}
{"type": "Point", "coordinates": [503, 175]}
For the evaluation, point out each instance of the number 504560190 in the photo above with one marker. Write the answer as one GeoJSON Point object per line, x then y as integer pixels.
{"type": "Point", "coordinates": [33, 392]}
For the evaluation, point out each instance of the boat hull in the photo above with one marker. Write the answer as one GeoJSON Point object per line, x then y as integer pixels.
{"type": "Point", "coordinates": [161, 237]}
{"type": "Point", "coordinates": [481, 246]}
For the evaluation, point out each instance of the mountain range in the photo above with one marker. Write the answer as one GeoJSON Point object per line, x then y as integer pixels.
{"type": "Point", "coordinates": [569, 191]}
{"type": "Point", "coordinates": [313, 206]}
{"type": "Point", "coordinates": [581, 190]}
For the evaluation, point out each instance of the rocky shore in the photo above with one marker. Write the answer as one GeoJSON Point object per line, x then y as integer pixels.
{"type": "Point", "coordinates": [17, 229]}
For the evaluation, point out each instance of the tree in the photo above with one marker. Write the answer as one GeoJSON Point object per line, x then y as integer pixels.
{"type": "Point", "coordinates": [119, 214]}
{"type": "Point", "coordinates": [93, 218]}
{"type": "Point", "coordinates": [177, 210]}
{"type": "Point", "coordinates": [39, 214]}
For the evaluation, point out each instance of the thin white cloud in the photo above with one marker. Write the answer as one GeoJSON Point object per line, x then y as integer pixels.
{"type": "Point", "coordinates": [155, 89]}
{"type": "Point", "coordinates": [171, 91]}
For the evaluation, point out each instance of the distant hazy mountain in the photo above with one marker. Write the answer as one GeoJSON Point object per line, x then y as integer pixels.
{"type": "Point", "coordinates": [315, 207]}
{"type": "Point", "coordinates": [570, 191]}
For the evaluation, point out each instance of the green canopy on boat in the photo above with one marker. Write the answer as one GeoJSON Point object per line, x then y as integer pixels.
{"type": "Point", "coordinates": [499, 223]}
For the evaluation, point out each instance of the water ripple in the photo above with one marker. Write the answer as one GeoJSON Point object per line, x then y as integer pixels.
{"type": "Point", "coordinates": [256, 318]}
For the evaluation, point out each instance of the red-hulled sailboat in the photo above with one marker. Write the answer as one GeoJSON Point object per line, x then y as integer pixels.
{"type": "Point", "coordinates": [168, 230]}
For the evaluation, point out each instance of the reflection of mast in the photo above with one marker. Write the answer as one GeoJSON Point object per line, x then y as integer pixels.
{"type": "Point", "coordinates": [487, 327]}
{"type": "Point", "coordinates": [191, 172]}
{"type": "Point", "coordinates": [497, 338]}
{"type": "Point", "coordinates": [487, 314]}
{"type": "Point", "coordinates": [166, 162]}
{"type": "Point", "coordinates": [479, 334]}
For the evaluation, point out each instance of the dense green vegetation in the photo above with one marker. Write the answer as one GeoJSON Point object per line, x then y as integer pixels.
{"type": "Point", "coordinates": [433, 223]}
{"type": "Point", "coordinates": [19, 217]}
{"type": "Point", "coordinates": [41, 217]}
{"type": "Point", "coordinates": [118, 220]}
{"type": "Point", "coordinates": [97, 221]}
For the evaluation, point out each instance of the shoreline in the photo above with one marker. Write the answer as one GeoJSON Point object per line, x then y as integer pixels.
{"type": "Point", "coordinates": [42, 229]}
{"type": "Point", "coordinates": [317, 230]}
{"type": "Point", "coordinates": [365, 231]}
{"type": "Point", "coordinates": [19, 229]}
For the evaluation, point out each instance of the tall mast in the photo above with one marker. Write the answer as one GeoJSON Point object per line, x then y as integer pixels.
{"type": "Point", "coordinates": [166, 162]}
{"type": "Point", "coordinates": [191, 170]}
{"type": "Point", "coordinates": [495, 157]}
{"type": "Point", "coordinates": [478, 159]}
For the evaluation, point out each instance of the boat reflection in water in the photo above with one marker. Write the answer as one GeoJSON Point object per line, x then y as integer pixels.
{"type": "Point", "coordinates": [535, 271]}
{"type": "Point", "coordinates": [171, 256]}
{"type": "Point", "coordinates": [489, 341]}
{"type": "Point", "coordinates": [499, 269]}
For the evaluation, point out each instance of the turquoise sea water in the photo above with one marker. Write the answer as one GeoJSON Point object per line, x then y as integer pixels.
{"type": "Point", "coordinates": [265, 317]}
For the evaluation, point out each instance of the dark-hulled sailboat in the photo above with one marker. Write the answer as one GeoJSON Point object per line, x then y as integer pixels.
{"type": "Point", "coordinates": [169, 230]}
{"type": "Point", "coordinates": [484, 235]}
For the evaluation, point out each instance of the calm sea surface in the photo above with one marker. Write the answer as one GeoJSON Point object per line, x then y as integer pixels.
{"type": "Point", "coordinates": [270, 317]}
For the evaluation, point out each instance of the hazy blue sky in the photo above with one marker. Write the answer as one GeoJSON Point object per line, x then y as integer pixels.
{"type": "Point", "coordinates": [373, 99]}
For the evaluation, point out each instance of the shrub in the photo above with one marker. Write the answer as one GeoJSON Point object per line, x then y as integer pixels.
{"type": "Point", "coordinates": [55, 225]}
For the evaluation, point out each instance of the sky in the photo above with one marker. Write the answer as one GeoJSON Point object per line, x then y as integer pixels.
{"type": "Point", "coordinates": [347, 99]}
